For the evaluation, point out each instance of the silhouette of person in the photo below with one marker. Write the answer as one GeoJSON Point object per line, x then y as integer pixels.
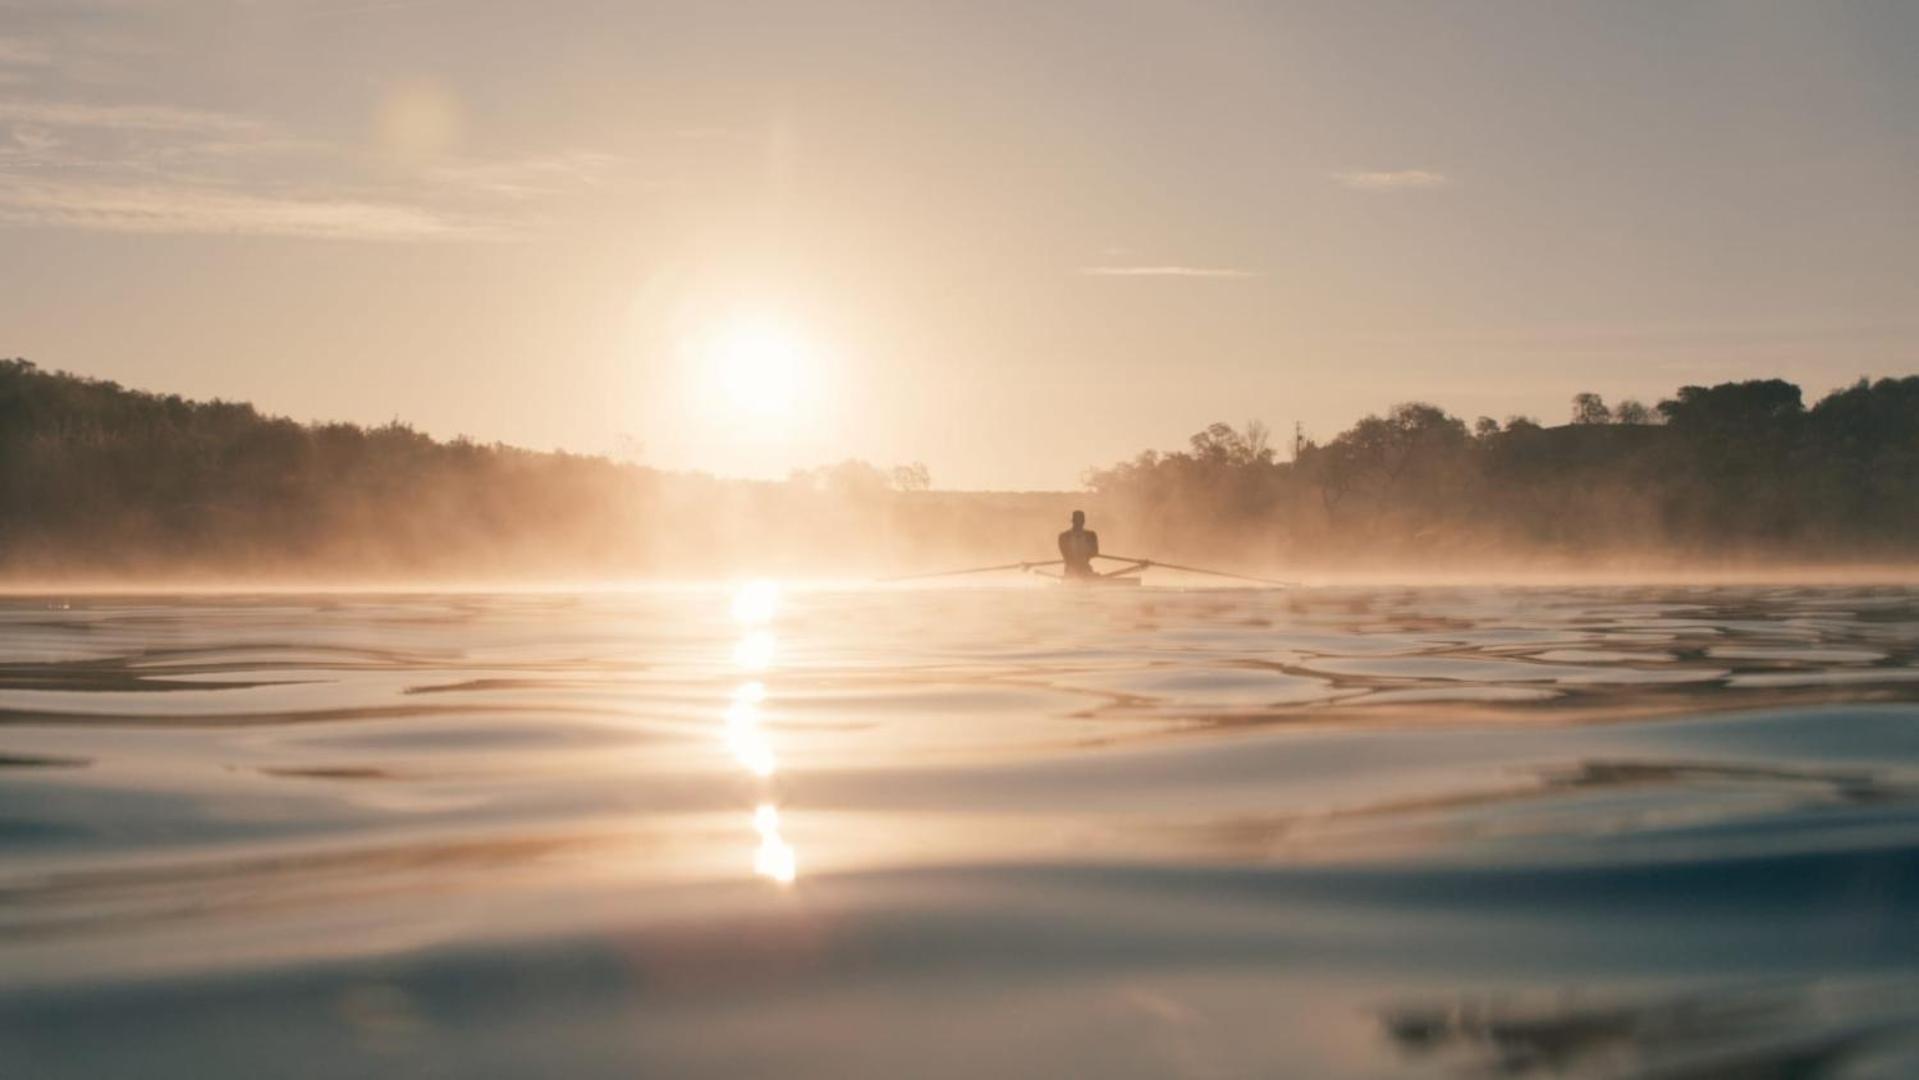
{"type": "Point", "coordinates": [1077, 546]}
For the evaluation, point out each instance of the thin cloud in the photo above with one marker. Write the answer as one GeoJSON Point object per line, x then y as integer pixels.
{"type": "Point", "coordinates": [1392, 180]}
{"type": "Point", "coordinates": [143, 118]}
{"type": "Point", "coordinates": [529, 177]}
{"type": "Point", "coordinates": [373, 8]}
{"type": "Point", "coordinates": [1168, 271]}
{"type": "Point", "coordinates": [24, 52]}
{"type": "Point", "coordinates": [114, 208]}
{"type": "Point", "coordinates": [155, 168]}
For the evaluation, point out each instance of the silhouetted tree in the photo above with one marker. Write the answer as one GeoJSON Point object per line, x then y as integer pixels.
{"type": "Point", "coordinates": [1590, 408]}
{"type": "Point", "coordinates": [1758, 405]}
{"type": "Point", "coordinates": [1631, 411]}
{"type": "Point", "coordinates": [1219, 443]}
{"type": "Point", "coordinates": [914, 477]}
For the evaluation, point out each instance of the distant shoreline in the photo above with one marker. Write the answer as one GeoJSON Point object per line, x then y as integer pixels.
{"type": "Point", "coordinates": [108, 489]}
{"type": "Point", "coordinates": [1834, 576]}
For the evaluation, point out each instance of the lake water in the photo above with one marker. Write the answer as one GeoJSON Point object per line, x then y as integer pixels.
{"type": "Point", "coordinates": [962, 832]}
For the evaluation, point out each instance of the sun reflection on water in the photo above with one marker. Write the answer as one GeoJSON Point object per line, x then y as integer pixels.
{"type": "Point", "coordinates": [756, 602]}
{"type": "Point", "coordinates": [754, 652]}
{"type": "Point", "coordinates": [754, 606]}
{"type": "Point", "coordinates": [775, 858]}
{"type": "Point", "coordinates": [743, 734]}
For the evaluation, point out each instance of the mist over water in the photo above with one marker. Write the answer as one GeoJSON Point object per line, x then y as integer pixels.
{"type": "Point", "coordinates": [102, 485]}
{"type": "Point", "coordinates": [1638, 831]}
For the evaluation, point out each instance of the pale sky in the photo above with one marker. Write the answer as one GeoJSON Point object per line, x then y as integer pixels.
{"type": "Point", "coordinates": [1009, 240]}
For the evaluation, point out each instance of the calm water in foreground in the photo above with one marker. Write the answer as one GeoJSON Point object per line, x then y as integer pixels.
{"type": "Point", "coordinates": [962, 832]}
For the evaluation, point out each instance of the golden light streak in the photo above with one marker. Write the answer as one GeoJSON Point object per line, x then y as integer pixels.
{"type": "Point", "coordinates": [754, 652]}
{"type": "Point", "coordinates": [756, 602]}
{"type": "Point", "coordinates": [776, 858]}
{"type": "Point", "coordinates": [743, 734]}
{"type": "Point", "coordinates": [754, 605]}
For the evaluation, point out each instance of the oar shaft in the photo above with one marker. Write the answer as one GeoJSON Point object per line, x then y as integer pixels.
{"type": "Point", "coordinates": [1197, 570]}
{"type": "Point", "coordinates": [1138, 564]}
{"type": "Point", "coordinates": [974, 570]}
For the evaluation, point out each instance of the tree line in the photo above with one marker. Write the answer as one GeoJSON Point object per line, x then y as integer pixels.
{"type": "Point", "coordinates": [104, 481]}
{"type": "Point", "coordinates": [1737, 470]}
{"type": "Point", "coordinates": [100, 480]}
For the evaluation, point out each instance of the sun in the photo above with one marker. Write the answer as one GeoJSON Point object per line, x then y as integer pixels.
{"type": "Point", "coordinates": [757, 370]}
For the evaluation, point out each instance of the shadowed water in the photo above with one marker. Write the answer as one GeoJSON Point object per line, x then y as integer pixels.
{"type": "Point", "coordinates": [962, 832]}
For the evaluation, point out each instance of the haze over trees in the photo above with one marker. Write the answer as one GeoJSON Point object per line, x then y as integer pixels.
{"type": "Point", "coordinates": [1736, 470]}
{"type": "Point", "coordinates": [98, 480]}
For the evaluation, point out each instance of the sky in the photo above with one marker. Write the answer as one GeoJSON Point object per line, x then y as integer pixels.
{"type": "Point", "coordinates": [1008, 240]}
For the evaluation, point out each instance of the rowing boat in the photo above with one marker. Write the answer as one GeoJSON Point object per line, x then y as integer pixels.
{"type": "Point", "coordinates": [1104, 579]}
{"type": "Point", "coordinates": [1127, 575]}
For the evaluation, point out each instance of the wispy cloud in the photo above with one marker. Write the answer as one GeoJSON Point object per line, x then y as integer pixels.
{"type": "Point", "coordinates": [528, 177]}
{"type": "Point", "coordinates": [122, 208]}
{"type": "Point", "coordinates": [142, 118]}
{"type": "Point", "coordinates": [24, 52]}
{"type": "Point", "coordinates": [22, 59]}
{"type": "Point", "coordinates": [371, 8]}
{"type": "Point", "coordinates": [156, 168]}
{"type": "Point", "coordinates": [1392, 180]}
{"type": "Point", "coordinates": [1168, 271]}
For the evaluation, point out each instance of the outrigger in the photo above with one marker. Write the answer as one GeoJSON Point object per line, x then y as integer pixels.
{"type": "Point", "coordinates": [1127, 574]}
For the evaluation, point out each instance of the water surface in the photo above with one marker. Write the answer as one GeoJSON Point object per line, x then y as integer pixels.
{"type": "Point", "coordinates": [962, 832]}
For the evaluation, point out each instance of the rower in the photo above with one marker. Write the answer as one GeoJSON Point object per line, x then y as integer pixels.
{"type": "Point", "coordinates": [1078, 546]}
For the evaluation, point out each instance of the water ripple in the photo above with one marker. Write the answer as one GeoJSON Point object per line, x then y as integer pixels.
{"type": "Point", "coordinates": [1344, 832]}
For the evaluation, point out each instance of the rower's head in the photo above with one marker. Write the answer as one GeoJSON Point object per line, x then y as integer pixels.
{"type": "Point", "coordinates": [1079, 519]}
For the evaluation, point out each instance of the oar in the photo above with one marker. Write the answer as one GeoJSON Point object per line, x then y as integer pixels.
{"type": "Point", "coordinates": [974, 570]}
{"type": "Point", "coordinates": [1144, 563]}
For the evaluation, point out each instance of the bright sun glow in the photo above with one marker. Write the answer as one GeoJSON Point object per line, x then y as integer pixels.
{"type": "Point", "coordinates": [758, 370]}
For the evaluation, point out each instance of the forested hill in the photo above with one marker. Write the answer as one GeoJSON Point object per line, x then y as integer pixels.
{"type": "Point", "coordinates": [100, 481]}
{"type": "Point", "coordinates": [1729, 473]}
